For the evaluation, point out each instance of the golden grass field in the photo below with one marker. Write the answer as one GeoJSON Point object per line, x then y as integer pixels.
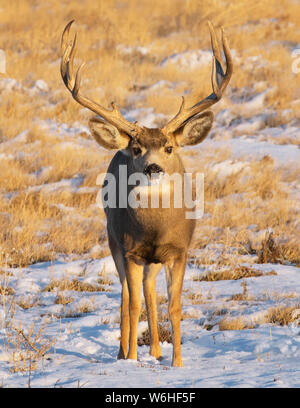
{"type": "Point", "coordinates": [38, 223]}
{"type": "Point", "coordinates": [49, 162]}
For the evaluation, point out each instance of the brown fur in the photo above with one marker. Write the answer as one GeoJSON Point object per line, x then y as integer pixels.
{"type": "Point", "coordinates": [151, 138]}
{"type": "Point", "coordinates": [143, 239]}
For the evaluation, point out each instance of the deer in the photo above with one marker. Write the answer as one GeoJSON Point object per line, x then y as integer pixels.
{"type": "Point", "coordinates": [143, 240]}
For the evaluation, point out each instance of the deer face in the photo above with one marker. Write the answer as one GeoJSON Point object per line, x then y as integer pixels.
{"type": "Point", "coordinates": [147, 153]}
{"type": "Point", "coordinates": [151, 151]}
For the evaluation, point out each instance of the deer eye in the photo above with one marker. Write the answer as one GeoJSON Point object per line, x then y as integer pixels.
{"type": "Point", "coordinates": [136, 150]}
{"type": "Point", "coordinates": [169, 149]}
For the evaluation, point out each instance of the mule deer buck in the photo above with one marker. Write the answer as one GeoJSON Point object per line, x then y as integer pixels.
{"type": "Point", "coordinates": [141, 240]}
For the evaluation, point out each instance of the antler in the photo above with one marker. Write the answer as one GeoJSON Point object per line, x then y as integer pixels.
{"type": "Point", "coordinates": [219, 82]}
{"type": "Point", "coordinates": [113, 116]}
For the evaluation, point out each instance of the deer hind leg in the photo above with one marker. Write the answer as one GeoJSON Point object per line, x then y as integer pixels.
{"type": "Point", "coordinates": [124, 310]}
{"type": "Point", "coordinates": [174, 274]}
{"type": "Point", "coordinates": [134, 276]}
{"type": "Point", "coordinates": [149, 286]}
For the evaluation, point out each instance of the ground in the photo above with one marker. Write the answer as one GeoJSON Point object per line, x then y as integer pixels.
{"type": "Point", "coordinates": [59, 291]}
{"type": "Point", "coordinates": [84, 334]}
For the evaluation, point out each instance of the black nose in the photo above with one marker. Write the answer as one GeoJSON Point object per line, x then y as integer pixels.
{"type": "Point", "coordinates": [152, 168]}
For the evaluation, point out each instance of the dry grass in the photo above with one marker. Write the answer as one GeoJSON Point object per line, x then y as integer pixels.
{"type": "Point", "coordinates": [271, 252]}
{"type": "Point", "coordinates": [239, 272]}
{"type": "Point", "coordinates": [61, 299]}
{"type": "Point", "coordinates": [36, 225]}
{"type": "Point", "coordinates": [74, 284]}
{"type": "Point", "coordinates": [282, 315]}
{"type": "Point", "coordinates": [238, 207]}
{"type": "Point", "coordinates": [143, 314]}
{"type": "Point", "coordinates": [27, 302]}
{"type": "Point", "coordinates": [238, 323]}
{"type": "Point", "coordinates": [104, 278]}
{"type": "Point", "coordinates": [277, 296]}
{"type": "Point", "coordinates": [27, 347]}
{"type": "Point", "coordinates": [195, 298]}
{"type": "Point", "coordinates": [279, 315]}
{"type": "Point", "coordinates": [164, 334]}
{"type": "Point", "coordinates": [244, 296]}
{"type": "Point", "coordinates": [45, 150]}
{"type": "Point", "coordinates": [6, 290]}
{"type": "Point", "coordinates": [78, 310]}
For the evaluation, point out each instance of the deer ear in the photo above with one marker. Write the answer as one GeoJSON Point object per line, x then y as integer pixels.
{"type": "Point", "coordinates": [107, 135]}
{"type": "Point", "coordinates": [195, 131]}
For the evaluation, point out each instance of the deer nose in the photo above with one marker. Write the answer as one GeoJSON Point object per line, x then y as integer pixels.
{"type": "Point", "coordinates": [152, 168]}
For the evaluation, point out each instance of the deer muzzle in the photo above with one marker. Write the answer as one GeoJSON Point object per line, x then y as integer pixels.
{"type": "Point", "coordinates": [152, 169]}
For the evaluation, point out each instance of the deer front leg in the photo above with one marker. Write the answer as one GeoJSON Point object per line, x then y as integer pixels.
{"type": "Point", "coordinates": [124, 324]}
{"type": "Point", "coordinates": [134, 276]}
{"type": "Point", "coordinates": [149, 283]}
{"type": "Point", "coordinates": [120, 263]}
{"type": "Point", "coordinates": [174, 274]}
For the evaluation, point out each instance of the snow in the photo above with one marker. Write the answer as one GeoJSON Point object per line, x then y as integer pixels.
{"type": "Point", "coordinates": [87, 343]}
{"type": "Point", "coordinates": [145, 117]}
{"type": "Point", "coordinates": [41, 85]}
{"type": "Point", "coordinates": [282, 154]}
{"type": "Point", "coordinates": [257, 102]}
{"type": "Point", "coordinates": [20, 138]}
{"type": "Point", "coordinates": [193, 59]}
{"type": "Point", "coordinates": [86, 346]}
{"type": "Point", "coordinates": [189, 59]}
{"type": "Point", "coordinates": [125, 49]}
{"type": "Point", "coordinates": [10, 84]}
{"type": "Point", "coordinates": [228, 167]}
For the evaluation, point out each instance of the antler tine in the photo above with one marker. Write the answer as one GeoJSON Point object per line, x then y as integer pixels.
{"type": "Point", "coordinates": [229, 61]}
{"type": "Point", "coordinates": [68, 50]}
{"type": "Point", "coordinates": [214, 43]}
{"type": "Point", "coordinates": [219, 82]}
{"type": "Point", "coordinates": [71, 58]}
{"type": "Point", "coordinates": [113, 116]}
{"type": "Point", "coordinates": [64, 37]}
{"type": "Point", "coordinates": [65, 68]}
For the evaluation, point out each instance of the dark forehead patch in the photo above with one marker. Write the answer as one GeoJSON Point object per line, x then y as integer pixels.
{"type": "Point", "coordinates": [151, 138]}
